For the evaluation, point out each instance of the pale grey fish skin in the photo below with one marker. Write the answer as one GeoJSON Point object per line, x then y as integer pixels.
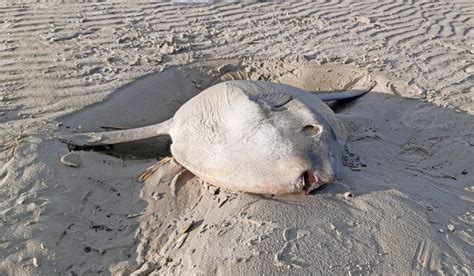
{"type": "Point", "coordinates": [249, 136]}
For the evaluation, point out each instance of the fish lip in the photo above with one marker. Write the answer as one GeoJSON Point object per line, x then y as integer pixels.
{"type": "Point", "coordinates": [309, 181]}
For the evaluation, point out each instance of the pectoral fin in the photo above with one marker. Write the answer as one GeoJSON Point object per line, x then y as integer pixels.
{"type": "Point", "coordinates": [274, 101]}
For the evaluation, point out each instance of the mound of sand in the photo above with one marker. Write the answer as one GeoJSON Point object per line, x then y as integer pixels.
{"type": "Point", "coordinates": [409, 180]}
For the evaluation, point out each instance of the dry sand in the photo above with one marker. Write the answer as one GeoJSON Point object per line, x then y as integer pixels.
{"type": "Point", "coordinates": [409, 161]}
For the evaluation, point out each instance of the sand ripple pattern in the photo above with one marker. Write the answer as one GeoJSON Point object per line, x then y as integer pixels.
{"type": "Point", "coordinates": [83, 51]}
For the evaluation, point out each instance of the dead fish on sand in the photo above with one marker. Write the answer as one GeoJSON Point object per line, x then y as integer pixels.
{"type": "Point", "coordinates": [249, 136]}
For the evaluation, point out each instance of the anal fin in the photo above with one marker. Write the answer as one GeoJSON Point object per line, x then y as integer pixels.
{"type": "Point", "coordinates": [144, 176]}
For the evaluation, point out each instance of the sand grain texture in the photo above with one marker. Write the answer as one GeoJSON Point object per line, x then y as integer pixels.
{"type": "Point", "coordinates": [409, 161]}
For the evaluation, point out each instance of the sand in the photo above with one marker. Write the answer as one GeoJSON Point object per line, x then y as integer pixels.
{"type": "Point", "coordinates": [408, 163]}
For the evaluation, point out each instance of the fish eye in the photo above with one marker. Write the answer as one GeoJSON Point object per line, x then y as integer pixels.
{"type": "Point", "coordinates": [312, 130]}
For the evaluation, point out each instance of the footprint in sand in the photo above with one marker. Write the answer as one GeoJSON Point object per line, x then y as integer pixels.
{"type": "Point", "coordinates": [288, 255]}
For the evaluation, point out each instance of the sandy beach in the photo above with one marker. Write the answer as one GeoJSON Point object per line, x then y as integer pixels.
{"type": "Point", "coordinates": [76, 67]}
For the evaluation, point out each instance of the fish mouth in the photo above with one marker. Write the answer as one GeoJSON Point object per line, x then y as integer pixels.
{"type": "Point", "coordinates": [309, 181]}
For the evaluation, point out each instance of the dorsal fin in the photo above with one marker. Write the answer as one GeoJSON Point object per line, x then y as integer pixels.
{"type": "Point", "coordinates": [344, 95]}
